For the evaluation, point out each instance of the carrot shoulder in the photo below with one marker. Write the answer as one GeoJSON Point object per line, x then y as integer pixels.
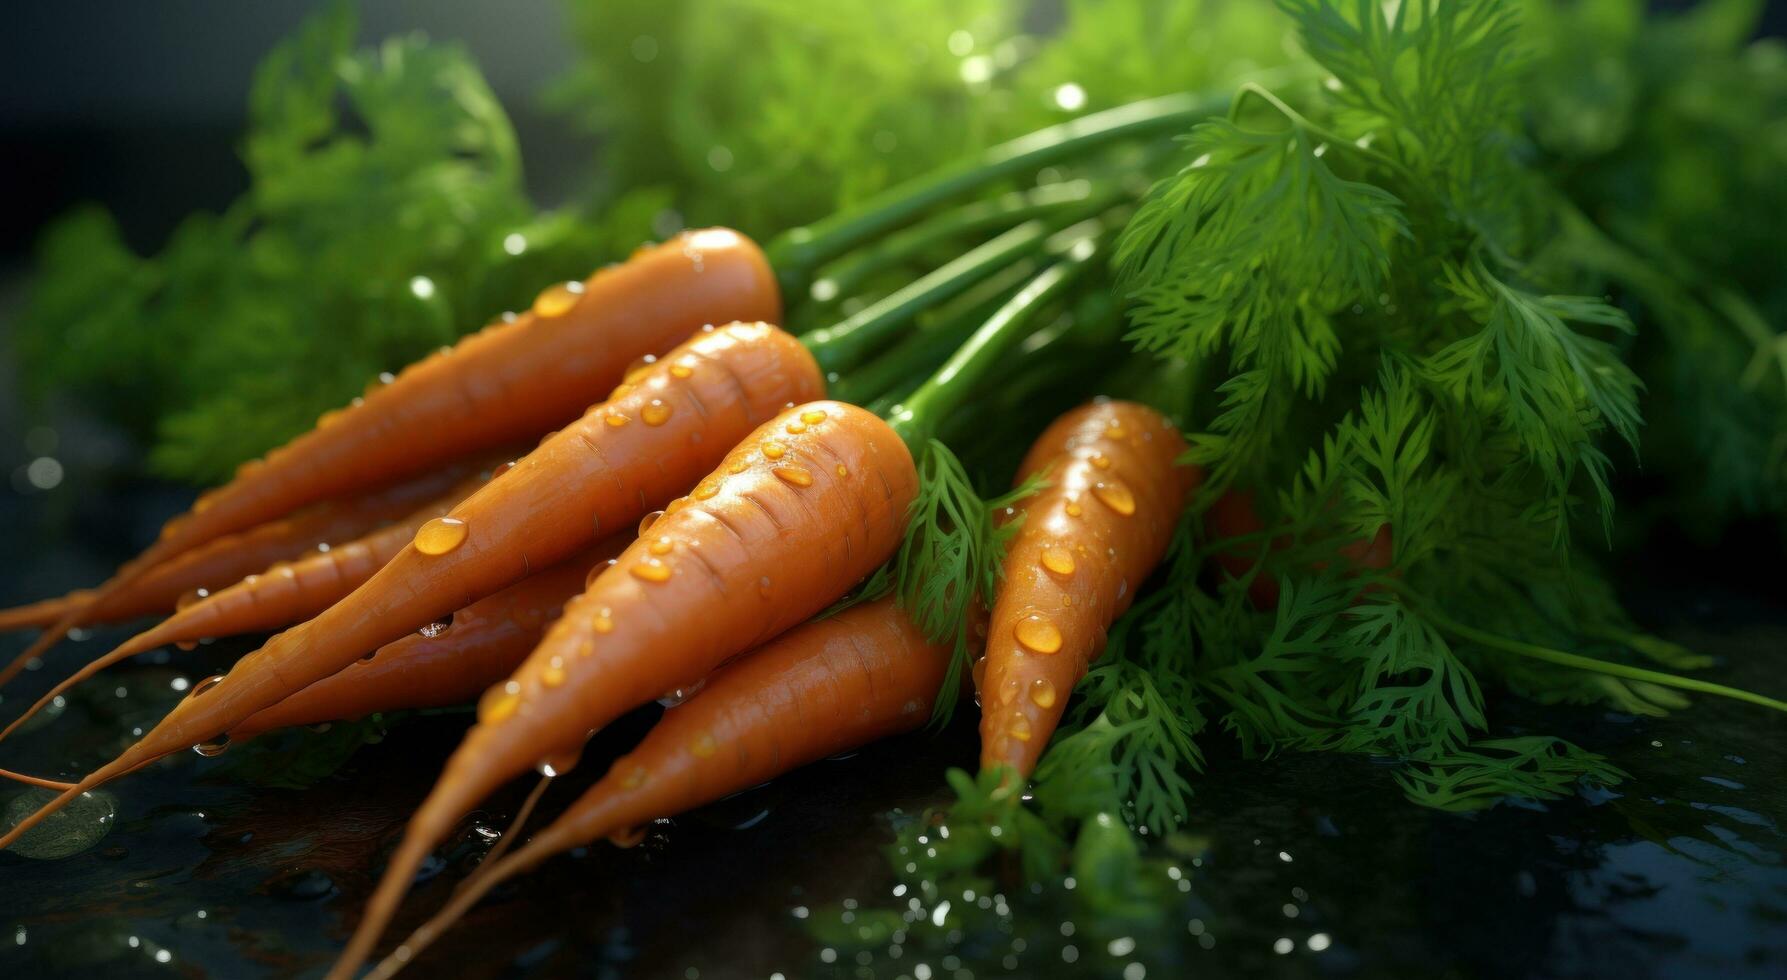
{"type": "Point", "coordinates": [822, 688]}
{"type": "Point", "coordinates": [602, 473]}
{"type": "Point", "coordinates": [513, 380]}
{"type": "Point", "coordinates": [800, 510]}
{"type": "Point", "coordinates": [1088, 540]}
{"type": "Point", "coordinates": [445, 663]}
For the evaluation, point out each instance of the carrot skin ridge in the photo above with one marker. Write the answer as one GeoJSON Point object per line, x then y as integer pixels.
{"type": "Point", "coordinates": [484, 643]}
{"type": "Point", "coordinates": [592, 477]}
{"type": "Point", "coordinates": [1088, 540]}
{"type": "Point", "coordinates": [825, 687]}
{"type": "Point", "coordinates": [284, 594]}
{"type": "Point", "coordinates": [797, 513]}
{"type": "Point", "coordinates": [505, 382]}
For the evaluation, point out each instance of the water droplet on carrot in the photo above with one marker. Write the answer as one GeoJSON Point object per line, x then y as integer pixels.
{"type": "Point", "coordinates": [1101, 461]}
{"type": "Point", "coordinates": [795, 427]}
{"type": "Point", "coordinates": [979, 672]}
{"type": "Point", "coordinates": [680, 503]}
{"type": "Point", "coordinates": [682, 369]}
{"type": "Point", "coordinates": [646, 522]}
{"type": "Point", "coordinates": [559, 299]}
{"type": "Point", "coordinates": [843, 470]}
{"type": "Point", "coordinates": [763, 586]}
{"type": "Point", "coordinates": [704, 746]}
{"type": "Point", "coordinates": [1037, 634]}
{"type": "Point", "coordinates": [639, 366]}
{"type": "Point", "coordinates": [773, 449]}
{"type": "Point", "coordinates": [813, 416]}
{"type": "Point", "coordinates": [1073, 509]}
{"type": "Point", "coordinates": [559, 763]}
{"type": "Point", "coordinates": [328, 418]}
{"type": "Point", "coordinates": [1042, 692]}
{"type": "Point", "coordinates": [738, 466]}
{"type": "Point", "coordinates": [205, 685]}
{"type": "Point", "coordinates": [1066, 600]}
{"type": "Point", "coordinates": [661, 546]}
{"type": "Point", "coordinates": [651, 570]}
{"type": "Point", "coordinates": [1008, 690]}
{"type": "Point", "coordinates": [554, 674]}
{"type": "Point", "coordinates": [1116, 430]}
{"type": "Point", "coordinates": [794, 476]}
{"type": "Point", "coordinates": [436, 628]}
{"type": "Point", "coordinates": [615, 420]}
{"type": "Point", "coordinates": [1058, 560]}
{"type": "Point", "coordinates": [440, 536]}
{"type": "Point", "coordinates": [1019, 728]}
{"type": "Point", "coordinates": [191, 596]}
{"type": "Point", "coordinates": [678, 695]}
{"type": "Point", "coordinates": [213, 748]}
{"type": "Point", "coordinates": [656, 412]}
{"type": "Point", "coordinates": [619, 390]}
{"type": "Point", "coordinates": [1115, 494]}
{"type": "Point", "coordinates": [604, 621]}
{"type": "Point", "coordinates": [499, 703]}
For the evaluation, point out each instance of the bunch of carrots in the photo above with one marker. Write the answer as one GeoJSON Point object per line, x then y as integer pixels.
{"type": "Point", "coordinates": [695, 514]}
{"type": "Point", "coordinates": [774, 519]}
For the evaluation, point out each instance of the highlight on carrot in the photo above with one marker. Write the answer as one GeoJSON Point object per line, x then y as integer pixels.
{"type": "Point", "coordinates": [798, 512]}
{"type": "Point", "coordinates": [444, 663]}
{"type": "Point", "coordinates": [574, 344]}
{"type": "Point", "coordinates": [663, 429]}
{"type": "Point", "coordinates": [284, 594]}
{"type": "Point", "coordinates": [826, 687]}
{"type": "Point", "coordinates": [226, 560]}
{"type": "Point", "coordinates": [1088, 540]}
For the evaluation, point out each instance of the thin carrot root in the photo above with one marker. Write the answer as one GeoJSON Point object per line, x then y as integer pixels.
{"type": "Point", "coordinates": [42, 613]}
{"type": "Point", "coordinates": [38, 781]}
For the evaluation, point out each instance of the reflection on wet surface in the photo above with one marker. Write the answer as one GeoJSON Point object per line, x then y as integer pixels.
{"type": "Point", "coordinates": [254, 863]}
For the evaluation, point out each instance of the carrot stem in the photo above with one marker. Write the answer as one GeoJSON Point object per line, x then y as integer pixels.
{"type": "Point", "coordinates": [797, 252]}
{"type": "Point", "coordinates": [949, 388]}
{"type": "Point", "coordinates": [1579, 662]}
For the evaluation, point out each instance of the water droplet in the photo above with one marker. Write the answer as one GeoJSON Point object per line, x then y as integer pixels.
{"type": "Point", "coordinates": [498, 703]}
{"type": "Point", "coordinates": [639, 367]}
{"type": "Point", "coordinates": [656, 412]}
{"type": "Point", "coordinates": [191, 596]}
{"type": "Point", "coordinates": [706, 489]}
{"type": "Point", "coordinates": [1066, 600]}
{"type": "Point", "coordinates": [813, 416]}
{"type": "Point", "coordinates": [795, 427]}
{"type": "Point", "coordinates": [979, 672]}
{"type": "Point", "coordinates": [557, 300]}
{"type": "Point", "coordinates": [651, 570]}
{"type": "Point", "coordinates": [773, 449]}
{"type": "Point", "coordinates": [440, 535]}
{"type": "Point", "coordinates": [328, 418]}
{"type": "Point", "coordinates": [680, 503]}
{"type": "Point", "coordinates": [843, 470]}
{"type": "Point", "coordinates": [1042, 692]}
{"type": "Point", "coordinates": [1116, 430]}
{"type": "Point", "coordinates": [615, 420]}
{"type": "Point", "coordinates": [1037, 634]}
{"type": "Point", "coordinates": [738, 466]}
{"type": "Point", "coordinates": [796, 476]}
{"type": "Point", "coordinates": [676, 696]}
{"type": "Point", "coordinates": [704, 746]}
{"type": "Point", "coordinates": [646, 522]}
{"type": "Point", "coordinates": [604, 621]}
{"type": "Point", "coordinates": [213, 748]}
{"type": "Point", "coordinates": [205, 685]}
{"type": "Point", "coordinates": [763, 587]}
{"type": "Point", "coordinates": [1115, 495]}
{"type": "Point", "coordinates": [662, 546]}
{"type": "Point", "coordinates": [1101, 461]}
{"type": "Point", "coordinates": [1019, 728]}
{"type": "Point", "coordinates": [683, 368]}
{"type": "Point", "coordinates": [1058, 560]}
{"type": "Point", "coordinates": [1073, 508]}
{"type": "Point", "coordinates": [554, 674]}
{"type": "Point", "coordinates": [559, 763]}
{"type": "Point", "coordinates": [619, 391]}
{"type": "Point", "coordinates": [1008, 690]}
{"type": "Point", "coordinates": [436, 628]}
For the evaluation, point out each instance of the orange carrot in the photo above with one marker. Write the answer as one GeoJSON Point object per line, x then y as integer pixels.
{"type": "Point", "coordinates": [43, 612]}
{"type": "Point", "coordinates": [798, 512]}
{"type": "Point", "coordinates": [603, 472]}
{"type": "Point", "coordinates": [823, 688]}
{"type": "Point", "coordinates": [445, 663]}
{"type": "Point", "coordinates": [1088, 540]}
{"type": "Point", "coordinates": [1233, 515]}
{"type": "Point", "coordinates": [225, 560]}
{"type": "Point", "coordinates": [282, 595]}
{"type": "Point", "coordinates": [512, 380]}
